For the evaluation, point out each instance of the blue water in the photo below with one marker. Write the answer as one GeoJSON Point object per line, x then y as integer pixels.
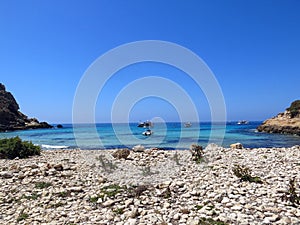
{"type": "Point", "coordinates": [167, 136]}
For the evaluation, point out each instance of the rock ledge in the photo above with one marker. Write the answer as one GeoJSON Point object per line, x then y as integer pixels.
{"type": "Point", "coordinates": [287, 122]}
{"type": "Point", "coordinates": [10, 116]}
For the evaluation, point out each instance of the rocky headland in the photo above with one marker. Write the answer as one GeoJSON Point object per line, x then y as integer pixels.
{"type": "Point", "coordinates": [152, 186]}
{"type": "Point", "coordinates": [10, 116]}
{"type": "Point", "coordinates": [287, 122]}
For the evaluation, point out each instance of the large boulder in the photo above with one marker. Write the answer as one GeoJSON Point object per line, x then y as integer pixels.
{"type": "Point", "coordinates": [287, 122]}
{"type": "Point", "coordinates": [10, 116]}
{"type": "Point", "coordinates": [236, 146]}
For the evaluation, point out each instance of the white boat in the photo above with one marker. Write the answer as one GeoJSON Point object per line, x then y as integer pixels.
{"type": "Point", "coordinates": [147, 132]}
{"type": "Point", "coordinates": [188, 124]}
{"type": "Point", "coordinates": [145, 124]}
{"type": "Point", "coordinates": [242, 122]}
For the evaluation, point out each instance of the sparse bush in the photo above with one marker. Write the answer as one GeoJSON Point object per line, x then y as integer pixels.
{"type": "Point", "coordinates": [95, 199]}
{"type": "Point", "coordinates": [176, 159]}
{"type": "Point", "coordinates": [291, 194]}
{"type": "Point", "coordinates": [33, 196]}
{"type": "Point", "coordinates": [138, 191]}
{"type": "Point", "coordinates": [64, 194]}
{"type": "Point", "coordinates": [11, 148]}
{"type": "Point", "coordinates": [118, 211]}
{"type": "Point", "coordinates": [294, 109]}
{"type": "Point", "coordinates": [197, 153]}
{"type": "Point", "coordinates": [111, 190]}
{"type": "Point", "coordinates": [106, 164]}
{"type": "Point", "coordinates": [210, 221]}
{"type": "Point", "coordinates": [146, 171]}
{"type": "Point", "coordinates": [244, 173]}
{"type": "Point", "coordinates": [22, 216]}
{"type": "Point", "coordinates": [42, 185]}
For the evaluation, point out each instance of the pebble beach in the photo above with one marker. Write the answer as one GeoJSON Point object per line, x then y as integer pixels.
{"type": "Point", "coordinates": [150, 186]}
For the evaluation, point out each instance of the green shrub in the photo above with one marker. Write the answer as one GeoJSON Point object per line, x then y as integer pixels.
{"type": "Point", "coordinates": [111, 190]}
{"type": "Point", "coordinates": [197, 153]}
{"type": "Point", "coordinates": [210, 221]}
{"type": "Point", "coordinates": [42, 184]}
{"type": "Point", "coordinates": [291, 194]}
{"type": "Point", "coordinates": [11, 148]}
{"type": "Point", "coordinates": [244, 173]}
{"type": "Point", "coordinates": [294, 108]}
{"type": "Point", "coordinates": [22, 216]}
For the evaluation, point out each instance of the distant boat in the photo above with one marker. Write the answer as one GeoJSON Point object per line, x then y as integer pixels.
{"type": "Point", "coordinates": [242, 122]}
{"type": "Point", "coordinates": [145, 124]}
{"type": "Point", "coordinates": [147, 132]}
{"type": "Point", "coordinates": [188, 124]}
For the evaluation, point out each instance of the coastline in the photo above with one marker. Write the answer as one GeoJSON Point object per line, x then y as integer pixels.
{"type": "Point", "coordinates": [150, 187]}
{"type": "Point", "coordinates": [175, 137]}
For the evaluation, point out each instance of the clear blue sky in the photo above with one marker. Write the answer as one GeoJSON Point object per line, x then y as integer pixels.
{"type": "Point", "coordinates": [253, 48]}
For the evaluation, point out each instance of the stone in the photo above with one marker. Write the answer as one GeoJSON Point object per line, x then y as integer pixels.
{"type": "Point", "coordinates": [58, 167]}
{"type": "Point", "coordinates": [176, 216]}
{"type": "Point", "coordinates": [134, 213]}
{"type": "Point", "coordinates": [236, 146]}
{"type": "Point", "coordinates": [108, 203]}
{"type": "Point", "coordinates": [236, 207]}
{"type": "Point", "coordinates": [6, 174]}
{"type": "Point", "coordinates": [138, 148]}
{"type": "Point", "coordinates": [225, 200]}
{"type": "Point", "coordinates": [131, 221]}
{"type": "Point", "coordinates": [75, 189]}
{"type": "Point", "coordinates": [121, 153]}
{"type": "Point", "coordinates": [128, 202]}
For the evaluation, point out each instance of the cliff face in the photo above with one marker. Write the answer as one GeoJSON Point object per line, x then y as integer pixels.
{"type": "Point", "coordinates": [10, 116]}
{"type": "Point", "coordinates": [287, 122]}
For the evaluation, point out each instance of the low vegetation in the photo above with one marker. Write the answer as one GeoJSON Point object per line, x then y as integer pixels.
{"type": "Point", "coordinates": [197, 153]}
{"type": "Point", "coordinates": [294, 109]}
{"type": "Point", "coordinates": [42, 185]}
{"type": "Point", "coordinates": [33, 196]}
{"type": "Point", "coordinates": [111, 190]}
{"type": "Point", "coordinates": [22, 216]}
{"type": "Point", "coordinates": [118, 211]}
{"type": "Point", "coordinates": [11, 148]}
{"type": "Point", "coordinates": [107, 165]}
{"type": "Point", "coordinates": [210, 221]}
{"type": "Point", "coordinates": [244, 173]}
{"type": "Point", "coordinates": [291, 194]}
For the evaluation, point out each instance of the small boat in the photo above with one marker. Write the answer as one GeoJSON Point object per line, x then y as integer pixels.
{"type": "Point", "coordinates": [145, 124]}
{"type": "Point", "coordinates": [242, 122]}
{"type": "Point", "coordinates": [188, 124]}
{"type": "Point", "coordinates": [147, 132]}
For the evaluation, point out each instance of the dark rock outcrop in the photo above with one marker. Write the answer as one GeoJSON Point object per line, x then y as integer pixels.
{"type": "Point", "coordinates": [287, 122]}
{"type": "Point", "coordinates": [10, 116]}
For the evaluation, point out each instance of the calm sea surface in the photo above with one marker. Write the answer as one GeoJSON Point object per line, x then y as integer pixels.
{"type": "Point", "coordinates": [167, 136]}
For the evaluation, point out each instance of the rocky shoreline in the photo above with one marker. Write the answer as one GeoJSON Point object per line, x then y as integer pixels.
{"type": "Point", "coordinates": [150, 187]}
{"type": "Point", "coordinates": [287, 122]}
{"type": "Point", "coordinates": [10, 116]}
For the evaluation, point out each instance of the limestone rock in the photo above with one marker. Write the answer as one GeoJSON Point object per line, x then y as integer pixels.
{"type": "Point", "coordinates": [121, 153]}
{"type": "Point", "coordinates": [236, 146]}
{"type": "Point", "coordinates": [10, 116]}
{"type": "Point", "coordinates": [6, 174]}
{"type": "Point", "coordinates": [287, 122]}
{"type": "Point", "coordinates": [138, 148]}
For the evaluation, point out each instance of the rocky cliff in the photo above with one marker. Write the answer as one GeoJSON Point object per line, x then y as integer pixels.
{"type": "Point", "coordinates": [287, 122]}
{"type": "Point", "coordinates": [10, 116]}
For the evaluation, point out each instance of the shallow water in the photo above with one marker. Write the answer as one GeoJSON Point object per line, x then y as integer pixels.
{"type": "Point", "coordinates": [167, 136]}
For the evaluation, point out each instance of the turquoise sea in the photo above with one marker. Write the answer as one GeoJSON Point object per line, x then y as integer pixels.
{"type": "Point", "coordinates": [167, 135]}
